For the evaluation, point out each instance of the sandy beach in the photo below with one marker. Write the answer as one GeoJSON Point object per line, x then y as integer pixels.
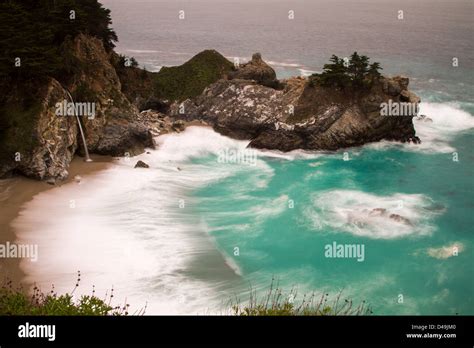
{"type": "Point", "coordinates": [17, 191]}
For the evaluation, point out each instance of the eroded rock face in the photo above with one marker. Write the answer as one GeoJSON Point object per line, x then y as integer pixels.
{"type": "Point", "coordinates": [239, 108]}
{"type": "Point", "coordinates": [301, 116]}
{"type": "Point", "coordinates": [51, 142]}
{"type": "Point", "coordinates": [115, 129]}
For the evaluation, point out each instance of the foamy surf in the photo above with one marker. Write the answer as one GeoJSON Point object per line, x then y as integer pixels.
{"type": "Point", "coordinates": [444, 123]}
{"type": "Point", "coordinates": [373, 216]}
{"type": "Point", "coordinates": [134, 229]}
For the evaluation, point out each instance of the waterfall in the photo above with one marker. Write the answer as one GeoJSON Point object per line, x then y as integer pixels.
{"type": "Point", "coordinates": [86, 150]}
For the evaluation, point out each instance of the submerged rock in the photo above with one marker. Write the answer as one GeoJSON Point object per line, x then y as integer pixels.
{"type": "Point", "coordinates": [401, 219]}
{"type": "Point", "coordinates": [378, 212]}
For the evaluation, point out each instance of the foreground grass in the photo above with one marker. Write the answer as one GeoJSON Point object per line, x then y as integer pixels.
{"type": "Point", "coordinates": [277, 302]}
{"type": "Point", "coordinates": [17, 301]}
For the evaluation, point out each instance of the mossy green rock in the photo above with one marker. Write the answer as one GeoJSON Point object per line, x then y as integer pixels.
{"type": "Point", "coordinates": [190, 79]}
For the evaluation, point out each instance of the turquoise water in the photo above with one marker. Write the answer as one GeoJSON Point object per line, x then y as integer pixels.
{"type": "Point", "coordinates": [252, 212]}
{"type": "Point", "coordinates": [275, 240]}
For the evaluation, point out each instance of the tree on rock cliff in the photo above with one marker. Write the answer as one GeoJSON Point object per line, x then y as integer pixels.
{"type": "Point", "coordinates": [374, 70]}
{"type": "Point", "coordinates": [349, 73]}
{"type": "Point", "coordinates": [358, 69]}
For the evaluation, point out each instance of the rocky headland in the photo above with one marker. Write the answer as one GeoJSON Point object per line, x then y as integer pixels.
{"type": "Point", "coordinates": [133, 105]}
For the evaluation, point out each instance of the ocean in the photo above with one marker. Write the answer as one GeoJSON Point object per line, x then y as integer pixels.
{"type": "Point", "coordinates": [193, 232]}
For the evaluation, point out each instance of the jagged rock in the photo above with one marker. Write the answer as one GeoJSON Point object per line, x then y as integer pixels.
{"type": "Point", "coordinates": [256, 70]}
{"type": "Point", "coordinates": [156, 122]}
{"type": "Point", "coordinates": [301, 115]}
{"type": "Point", "coordinates": [141, 164]}
{"type": "Point", "coordinates": [395, 86]}
{"type": "Point", "coordinates": [118, 139]}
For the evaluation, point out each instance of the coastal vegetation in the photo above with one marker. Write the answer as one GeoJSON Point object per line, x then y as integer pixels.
{"type": "Point", "coordinates": [17, 301]}
{"type": "Point", "coordinates": [346, 73]}
{"type": "Point", "coordinates": [191, 78]}
{"type": "Point", "coordinates": [274, 302]}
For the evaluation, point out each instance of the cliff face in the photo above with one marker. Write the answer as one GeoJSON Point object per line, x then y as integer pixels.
{"type": "Point", "coordinates": [36, 142]}
{"type": "Point", "coordinates": [114, 129]}
{"type": "Point", "coordinates": [301, 115]}
{"type": "Point", "coordinates": [46, 141]}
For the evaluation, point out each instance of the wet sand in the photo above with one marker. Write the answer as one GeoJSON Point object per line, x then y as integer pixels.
{"type": "Point", "coordinates": [15, 192]}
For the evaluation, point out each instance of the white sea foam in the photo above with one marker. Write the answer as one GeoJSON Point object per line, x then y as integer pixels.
{"type": "Point", "coordinates": [373, 216]}
{"type": "Point", "coordinates": [446, 251]}
{"type": "Point", "coordinates": [447, 121]}
{"type": "Point", "coordinates": [133, 229]}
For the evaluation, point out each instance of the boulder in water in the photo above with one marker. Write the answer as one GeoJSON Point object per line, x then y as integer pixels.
{"type": "Point", "coordinates": [141, 164]}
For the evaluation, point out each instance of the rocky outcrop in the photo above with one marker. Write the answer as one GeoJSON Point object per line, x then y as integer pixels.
{"type": "Point", "coordinates": [256, 70]}
{"type": "Point", "coordinates": [302, 115]}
